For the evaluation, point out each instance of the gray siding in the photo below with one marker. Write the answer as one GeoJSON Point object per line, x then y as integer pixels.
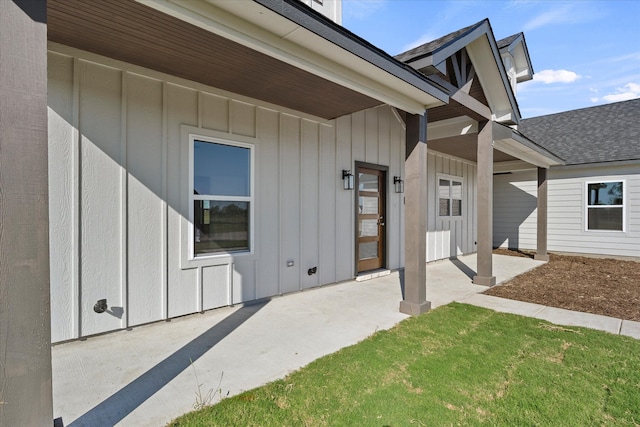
{"type": "Point", "coordinates": [119, 201]}
{"type": "Point", "coordinates": [515, 211]}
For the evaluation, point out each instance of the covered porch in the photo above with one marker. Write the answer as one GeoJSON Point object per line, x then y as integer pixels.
{"type": "Point", "coordinates": [473, 137]}
{"type": "Point", "coordinates": [147, 376]}
{"type": "Point", "coordinates": [305, 66]}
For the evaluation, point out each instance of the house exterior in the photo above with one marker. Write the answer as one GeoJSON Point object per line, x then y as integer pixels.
{"type": "Point", "coordinates": [202, 154]}
{"type": "Point", "coordinates": [594, 199]}
{"type": "Point", "coordinates": [174, 191]}
{"type": "Point", "coordinates": [174, 194]}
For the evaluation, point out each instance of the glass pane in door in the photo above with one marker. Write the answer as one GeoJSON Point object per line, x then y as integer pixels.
{"type": "Point", "coordinates": [368, 205]}
{"type": "Point", "coordinates": [368, 250]}
{"type": "Point", "coordinates": [368, 227]}
{"type": "Point", "coordinates": [367, 182]}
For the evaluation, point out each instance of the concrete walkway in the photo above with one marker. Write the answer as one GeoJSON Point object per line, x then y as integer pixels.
{"type": "Point", "coordinates": [150, 375]}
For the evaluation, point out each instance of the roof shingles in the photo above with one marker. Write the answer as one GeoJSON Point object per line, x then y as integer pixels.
{"type": "Point", "coordinates": [605, 133]}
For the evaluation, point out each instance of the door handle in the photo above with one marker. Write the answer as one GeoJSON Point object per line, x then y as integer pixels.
{"type": "Point", "coordinates": [381, 221]}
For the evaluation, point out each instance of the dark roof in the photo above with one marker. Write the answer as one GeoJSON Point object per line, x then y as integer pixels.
{"type": "Point", "coordinates": [606, 133]}
{"type": "Point", "coordinates": [507, 40]}
{"type": "Point", "coordinates": [433, 46]}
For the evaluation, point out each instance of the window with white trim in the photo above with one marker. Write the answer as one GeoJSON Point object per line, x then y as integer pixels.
{"type": "Point", "coordinates": [605, 206]}
{"type": "Point", "coordinates": [449, 197]}
{"type": "Point", "coordinates": [221, 196]}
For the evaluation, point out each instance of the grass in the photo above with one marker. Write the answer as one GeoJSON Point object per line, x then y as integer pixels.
{"type": "Point", "coordinates": [457, 365]}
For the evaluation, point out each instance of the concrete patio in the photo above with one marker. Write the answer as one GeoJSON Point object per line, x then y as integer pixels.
{"type": "Point", "coordinates": [147, 376]}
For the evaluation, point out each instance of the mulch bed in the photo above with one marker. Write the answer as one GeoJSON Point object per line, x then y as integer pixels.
{"type": "Point", "coordinates": [592, 285]}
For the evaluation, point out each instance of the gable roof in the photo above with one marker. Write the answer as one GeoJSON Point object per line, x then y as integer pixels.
{"type": "Point", "coordinates": [606, 133]}
{"type": "Point", "coordinates": [433, 47]}
{"type": "Point", "coordinates": [430, 58]}
{"type": "Point", "coordinates": [507, 41]}
{"type": "Point", "coordinates": [516, 46]}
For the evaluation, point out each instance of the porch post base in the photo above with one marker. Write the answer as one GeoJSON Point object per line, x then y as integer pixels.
{"type": "Point", "coordinates": [541, 257]}
{"type": "Point", "coordinates": [484, 281]}
{"type": "Point", "coordinates": [413, 309]}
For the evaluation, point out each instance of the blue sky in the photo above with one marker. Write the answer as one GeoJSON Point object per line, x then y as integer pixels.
{"type": "Point", "coordinates": [584, 53]}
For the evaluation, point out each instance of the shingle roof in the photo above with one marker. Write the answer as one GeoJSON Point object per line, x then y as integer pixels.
{"type": "Point", "coordinates": [507, 40]}
{"type": "Point", "coordinates": [432, 46]}
{"type": "Point", "coordinates": [606, 133]}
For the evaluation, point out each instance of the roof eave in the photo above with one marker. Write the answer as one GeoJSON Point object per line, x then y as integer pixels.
{"type": "Point", "coordinates": [512, 142]}
{"type": "Point", "coordinates": [293, 33]}
{"type": "Point", "coordinates": [344, 40]}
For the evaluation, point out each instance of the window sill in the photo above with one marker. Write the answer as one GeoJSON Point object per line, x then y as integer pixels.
{"type": "Point", "coordinates": [216, 259]}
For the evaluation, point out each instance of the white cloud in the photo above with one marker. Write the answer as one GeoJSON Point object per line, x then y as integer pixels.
{"type": "Point", "coordinates": [625, 93]}
{"type": "Point", "coordinates": [556, 76]}
{"type": "Point", "coordinates": [568, 13]}
{"type": "Point", "coordinates": [361, 9]}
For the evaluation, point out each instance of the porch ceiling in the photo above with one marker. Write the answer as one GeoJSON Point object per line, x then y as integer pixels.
{"type": "Point", "coordinates": [465, 147]}
{"type": "Point", "coordinates": [140, 35]}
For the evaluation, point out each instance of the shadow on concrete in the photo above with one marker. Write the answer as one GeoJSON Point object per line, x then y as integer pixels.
{"type": "Point", "coordinates": [468, 271]}
{"type": "Point", "coordinates": [120, 404]}
{"type": "Point", "coordinates": [401, 276]}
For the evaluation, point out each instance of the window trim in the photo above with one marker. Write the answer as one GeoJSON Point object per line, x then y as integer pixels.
{"type": "Point", "coordinates": [190, 134]}
{"type": "Point", "coordinates": [587, 206]}
{"type": "Point", "coordinates": [450, 178]}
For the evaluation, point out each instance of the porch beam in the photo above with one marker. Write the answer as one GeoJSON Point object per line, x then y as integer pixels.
{"type": "Point", "coordinates": [541, 246]}
{"type": "Point", "coordinates": [415, 212]}
{"type": "Point", "coordinates": [25, 328]}
{"type": "Point", "coordinates": [469, 106]}
{"type": "Point", "coordinates": [484, 275]}
{"type": "Point", "coordinates": [464, 103]}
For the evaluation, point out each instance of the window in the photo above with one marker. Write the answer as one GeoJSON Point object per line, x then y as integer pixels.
{"type": "Point", "coordinates": [449, 197]}
{"type": "Point", "coordinates": [221, 196]}
{"type": "Point", "coordinates": [605, 206]}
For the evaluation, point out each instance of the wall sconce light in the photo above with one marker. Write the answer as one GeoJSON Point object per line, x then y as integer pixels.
{"type": "Point", "coordinates": [399, 184]}
{"type": "Point", "coordinates": [347, 179]}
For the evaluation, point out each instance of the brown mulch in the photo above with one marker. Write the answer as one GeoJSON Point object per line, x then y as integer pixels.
{"type": "Point", "coordinates": [604, 286]}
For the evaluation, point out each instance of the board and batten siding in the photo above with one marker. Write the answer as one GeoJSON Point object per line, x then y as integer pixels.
{"type": "Point", "coordinates": [515, 212]}
{"type": "Point", "coordinates": [453, 236]}
{"type": "Point", "coordinates": [118, 174]}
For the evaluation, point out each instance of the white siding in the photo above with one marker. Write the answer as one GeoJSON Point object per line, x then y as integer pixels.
{"type": "Point", "coordinates": [450, 237]}
{"type": "Point", "coordinates": [119, 202]}
{"type": "Point", "coordinates": [515, 213]}
{"type": "Point", "coordinates": [332, 9]}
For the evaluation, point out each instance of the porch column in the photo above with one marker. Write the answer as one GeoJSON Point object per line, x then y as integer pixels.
{"type": "Point", "coordinates": [415, 214]}
{"type": "Point", "coordinates": [25, 335]}
{"type": "Point", "coordinates": [485, 206]}
{"type": "Point", "coordinates": [541, 247]}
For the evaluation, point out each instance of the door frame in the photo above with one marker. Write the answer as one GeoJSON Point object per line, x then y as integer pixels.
{"type": "Point", "coordinates": [385, 191]}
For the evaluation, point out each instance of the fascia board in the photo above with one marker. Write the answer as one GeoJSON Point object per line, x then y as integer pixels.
{"type": "Point", "coordinates": [316, 23]}
{"type": "Point", "coordinates": [510, 147]}
{"type": "Point", "coordinates": [437, 59]}
{"type": "Point", "coordinates": [487, 61]}
{"type": "Point", "coordinates": [522, 63]}
{"type": "Point", "coordinates": [509, 142]}
{"type": "Point", "coordinates": [336, 65]}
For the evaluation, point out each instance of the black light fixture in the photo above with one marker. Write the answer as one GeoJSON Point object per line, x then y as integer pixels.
{"type": "Point", "coordinates": [347, 179]}
{"type": "Point", "coordinates": [399, 184]}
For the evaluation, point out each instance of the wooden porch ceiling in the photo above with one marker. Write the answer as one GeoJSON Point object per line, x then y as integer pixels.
{"type": "Point", "coordinates": [129, 31]}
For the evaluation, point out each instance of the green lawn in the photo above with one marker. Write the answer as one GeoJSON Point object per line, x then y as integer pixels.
{"type": "Point", "coordinates": [456, 365]}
